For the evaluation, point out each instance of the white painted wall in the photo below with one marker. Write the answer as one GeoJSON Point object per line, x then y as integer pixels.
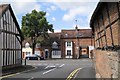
{"type": "Point", "coordinates": [27, 50]}
{"type": "Point", "coordinates": [69, 48]}
{"type": "Point", "coordinates": [90, 48]}
{"type": "Point", "coordinates": [56, 54]}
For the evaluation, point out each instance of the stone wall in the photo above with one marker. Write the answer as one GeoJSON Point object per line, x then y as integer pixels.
{"type": "Point", "coordinates": [107, 64]}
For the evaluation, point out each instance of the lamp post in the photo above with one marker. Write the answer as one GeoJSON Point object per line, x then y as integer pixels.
{"type": "Point", "coordinates": [77, 53]}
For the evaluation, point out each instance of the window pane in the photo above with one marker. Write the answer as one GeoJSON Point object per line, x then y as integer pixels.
{"type": "Point", "coordinates": [68, 52]}
{"type": "Point", "coordinates": [68, 43]}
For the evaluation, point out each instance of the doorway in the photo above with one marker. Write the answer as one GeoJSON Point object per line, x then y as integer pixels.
{"type": "Point", "coordinates": [84, 52]}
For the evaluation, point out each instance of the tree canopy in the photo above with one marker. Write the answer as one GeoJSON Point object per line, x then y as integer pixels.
{"type": "Point", "coordinates": [35, 24]}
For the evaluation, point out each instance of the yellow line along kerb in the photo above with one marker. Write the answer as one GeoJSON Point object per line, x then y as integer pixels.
{"type": "Point", "coordinates": [72, 74]}
{"type": "Point", "coordinates": [10, 75]}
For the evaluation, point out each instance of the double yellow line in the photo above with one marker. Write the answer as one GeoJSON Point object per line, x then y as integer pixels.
{"type": "Point", "coordinates": [73, 74]}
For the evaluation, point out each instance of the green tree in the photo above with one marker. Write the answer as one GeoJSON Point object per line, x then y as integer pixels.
{"type": "Point", "coordinates": [35, 24]}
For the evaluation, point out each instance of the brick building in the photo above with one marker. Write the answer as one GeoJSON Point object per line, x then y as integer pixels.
{"type": "Point", "coordinates": [76, 42]}
{"type": "Point", "coordinates": [10, 38]}
{"type": "Point", "coordinates": [105, 24]}
{"type": "Point", "coordinates": [73, 43]}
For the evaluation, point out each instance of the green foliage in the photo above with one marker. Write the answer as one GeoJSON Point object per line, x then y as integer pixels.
{"type": "Point", "coordinates": [35, 24]}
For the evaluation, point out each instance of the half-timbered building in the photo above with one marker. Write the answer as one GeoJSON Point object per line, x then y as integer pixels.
{"type": "Point", "coordinates": [10, 38]}
{"type": "Point", "coordinates": [105, 24]}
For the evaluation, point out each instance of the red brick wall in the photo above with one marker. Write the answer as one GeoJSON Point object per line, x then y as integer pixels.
{"type": "Point", "coordinates": [113, 12]}
{"type": "Point", "coordinates": [81, 42]}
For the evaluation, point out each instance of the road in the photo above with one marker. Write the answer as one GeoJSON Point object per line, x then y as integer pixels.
{"type": "Point", "coordinates": [57, 69]}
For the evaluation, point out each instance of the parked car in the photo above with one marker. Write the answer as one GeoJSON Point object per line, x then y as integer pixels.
{"type": "Point", "coordinates": [32, 57]}
{"type": "Point", "coordinates": [40, 57]}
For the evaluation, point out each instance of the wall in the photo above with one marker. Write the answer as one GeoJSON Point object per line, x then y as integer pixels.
{"type": "Point", "coordinates": [81, 42]}
{"type": "Point", "coordinates": [106, 27]}
{"type": "Point", "coordinates": [11, 45]}
{"type": "Point", "coordinates": [106, 18]}
{"type": "Point", "coordinates": [107, 63]}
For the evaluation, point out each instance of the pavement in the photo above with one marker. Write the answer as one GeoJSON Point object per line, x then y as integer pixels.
{"type": "Point", "coordinates": [16, 70]}
{"type": "Point", "coordinates": [62, 69]}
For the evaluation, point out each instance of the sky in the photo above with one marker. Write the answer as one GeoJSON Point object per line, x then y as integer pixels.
{"type": "Point", "coordinates": [61, 13]}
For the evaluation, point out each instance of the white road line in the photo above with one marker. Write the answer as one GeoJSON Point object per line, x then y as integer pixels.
{"type": "Point", "coordinates": [49, 71]}
{"type": "Point", "coordinates": [62, 65]}
{"type": "Point", "coordinates": [31, 78]}
{"type": "Point", "coordinates": [46, 67]}
{"type": "Point", "coordinates": [49, 66]}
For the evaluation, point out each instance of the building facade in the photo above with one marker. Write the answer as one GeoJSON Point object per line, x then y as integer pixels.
{"type": "Point", "coordinates": [74, 43]}
{"type": "Point", "coordinates": [10, 38]}
{"type": "Point", "coordinates": [105, 24]}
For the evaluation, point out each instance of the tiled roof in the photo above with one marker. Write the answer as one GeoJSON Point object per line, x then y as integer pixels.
{"type": "Point", "coordinates": [82, 33]}
{"type": "Point", "coordinates": [55, 36]}
{"type": "Point", "coordinates": [79, 33]}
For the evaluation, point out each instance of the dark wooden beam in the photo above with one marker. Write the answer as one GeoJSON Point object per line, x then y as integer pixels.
{"type": "Point", "coordinates": [104, 29]}
{"type": "Point", "coordinates": [100, 33]}
{"type": "Point", "coordinates": [108, 15]}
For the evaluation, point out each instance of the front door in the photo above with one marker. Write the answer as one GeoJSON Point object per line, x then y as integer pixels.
{"type": "Point", "coordinates": [46, 53]}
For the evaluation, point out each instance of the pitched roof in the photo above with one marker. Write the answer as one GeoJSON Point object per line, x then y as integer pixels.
{"type": "Point", "coordinates": [3, 9]}
{"type": "Point", "coordinates": [79, 33]}
{"type": "Point", "coordinates": [55, 36]}
{"type": "Point", "coordinates": [96, 11]}
{"type": "Point", "coordinates": [58, 34]}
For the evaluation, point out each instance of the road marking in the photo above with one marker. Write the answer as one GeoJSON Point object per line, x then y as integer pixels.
{"type": "Point", "coordinates": [72, 74]}
{"type": "Point", "coordinates": [49, 66]}
{"type": "Point", "coordinates": [31, 78]}
{"type": "Point", "coordinates": [49, 71]}
{"type": "Point", "coordinates": [17, 73]}
{"type": "Point", "coordinates": [8, 76]}
{"type": "Point", "coordinates": [62, 65]}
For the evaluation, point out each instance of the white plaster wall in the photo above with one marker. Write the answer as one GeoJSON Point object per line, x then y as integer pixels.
{"type": "Point", "coordinates": [58, 54]}
{"type": "Point", "coordinates": [69, 48]}
{"type": "Point", "coordinates": [90, 48]}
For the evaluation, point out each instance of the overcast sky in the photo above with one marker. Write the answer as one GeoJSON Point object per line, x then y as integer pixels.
{"type": "Point", "coordinates": [61, 13]}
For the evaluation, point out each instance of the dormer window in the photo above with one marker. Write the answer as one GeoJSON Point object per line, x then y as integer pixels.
{"type": "Point", "coordinates": [55, 45]}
